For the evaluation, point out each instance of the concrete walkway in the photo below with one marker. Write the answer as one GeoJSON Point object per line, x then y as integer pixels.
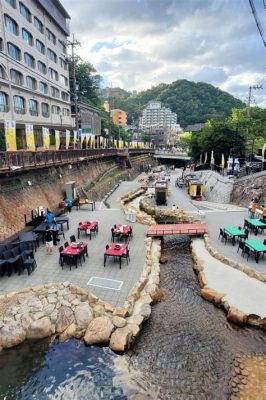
{"type": "Point", "coordinates": [49, 270]}
{"type": "Point", "coordinates": [242, 292]}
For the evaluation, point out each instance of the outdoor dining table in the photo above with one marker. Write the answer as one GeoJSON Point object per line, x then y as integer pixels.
{"type": "Point", "coordinates": [75, 252]}
{"type": "Point", "coordinates": [88, 226]}
{"type": "Point", "coordinates": [257, 247]}
{"type": "Point", "coordinates": [41, 229]}
{"type": "Point", "coordinates": [254, 224]}
{"type": "Point", "coordinates": [114, 251]}
{"type": "Point", "coordinates": [62, 220]}
{"type": "Point", "coordinates": [234, 232]}
{"type": "Point", "coordinates": [123, 229]}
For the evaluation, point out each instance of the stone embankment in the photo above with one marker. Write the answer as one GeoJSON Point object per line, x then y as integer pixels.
{"type": "Point", "coordinates": [65, 310]}
{"type": "Point", "coordinates": [248, 187]}
{"type": "Point", "coordinates": [242, 297]}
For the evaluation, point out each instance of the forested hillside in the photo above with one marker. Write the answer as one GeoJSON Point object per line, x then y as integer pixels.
{"type": "Point", "coordinates": [193, 102]}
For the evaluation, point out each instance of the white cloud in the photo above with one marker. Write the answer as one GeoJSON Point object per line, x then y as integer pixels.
{"type": "Point", "coordinates": [156, 41]}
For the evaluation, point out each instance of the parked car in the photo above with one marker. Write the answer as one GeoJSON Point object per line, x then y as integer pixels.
{"type": "Point", "coordinates": [255, 166]}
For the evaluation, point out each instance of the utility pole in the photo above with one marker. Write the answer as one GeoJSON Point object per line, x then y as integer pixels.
{"type": "Point", "coordinates": [234, 144]}
{"type": "Point", "coordinates": [255, 87]}
{"type": "Point", "coordinates": [73, 59]}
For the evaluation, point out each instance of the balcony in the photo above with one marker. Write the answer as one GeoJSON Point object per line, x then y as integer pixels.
{"type": "Point", "coordinates": [34, 113]}
{"type": "Point", "coordinates": [19, 110]}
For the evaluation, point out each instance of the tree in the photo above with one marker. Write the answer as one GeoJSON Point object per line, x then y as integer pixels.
{"type": "Point", "coordinates": [185, 139]}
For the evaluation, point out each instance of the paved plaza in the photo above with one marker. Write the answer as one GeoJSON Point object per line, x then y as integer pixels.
{"type": "Point", "coordinates": [49, 270]}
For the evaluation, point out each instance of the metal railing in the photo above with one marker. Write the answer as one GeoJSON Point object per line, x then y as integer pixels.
{"type": "Point", "coordinates": [19, 160]}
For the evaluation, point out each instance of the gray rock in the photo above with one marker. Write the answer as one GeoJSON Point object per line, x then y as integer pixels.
{"type": "Point", "coordinates": [39, 329]}
{"type": "Point", "coordinates": [65, 318]}
{"type": "Point", "coordinates": [83, 315]}
{"type": "Point", "coordinates": [99, 331]}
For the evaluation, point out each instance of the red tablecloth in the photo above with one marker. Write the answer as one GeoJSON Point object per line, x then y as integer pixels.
{"type": "Point", "coordinates": [88, 225]}
{"type": "Point", "coordinates": [69, 250]}
{"type": "Point", "coordinates": [122, 229]}
{"type": "Point", "coordinates": [112, 251]}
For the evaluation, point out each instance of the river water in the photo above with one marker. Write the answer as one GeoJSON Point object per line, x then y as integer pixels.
{"type": "Point", "coordinates": [186, 350]}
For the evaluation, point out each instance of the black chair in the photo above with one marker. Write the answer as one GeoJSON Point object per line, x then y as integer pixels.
{"type": "Point", "coordinates": [240, 228]}
{"type": "Point", "coordinates": [114, 235]}
{"type": "Point", "coordinates": [66, 244]}
{"type": "Point", "coordinates": [12, 263]}
{"type": "Point", "coordinates": [241, 246]}
{"type": "Point", "coordinates": [125, 237]}
{"type": "Point", "coordinates": [126, 255]}
{"type": "Point", "coordinates": [72, 238]}
{"type": "Point", "coordinates": [61, 233]}
{"type": "Point", "coordinates": [246, 233]}
{"type": "Point", "coordinates": [61, 248]}
{"type": "Point", "coordinates": [28, 263]}
{"type": "Point", "coordinates": [24, 248]}
{"type": "Point", "coordinates": [248, 251]}
{"type": "Point", "coordinates": [131, 233]}
{"type": "Point", "coordinates": [221, 234]}
{"type": "Point", "coordinates": [264, 242]}
{"type": "Point", "coordinates": [227, 237]}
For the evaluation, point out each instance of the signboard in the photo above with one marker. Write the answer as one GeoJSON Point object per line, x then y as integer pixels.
{"type": "Point", "coordinates": [57, 140]}
{"type": "Point", "coordinates": [10, 134]}
{"type": "Point", "coordinates": [46, 138]}
{"type": "Point", "coordinates": [30, 137]}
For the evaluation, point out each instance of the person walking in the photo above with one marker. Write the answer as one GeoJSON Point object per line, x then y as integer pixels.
{"type": "Point", "coordinates": [49, 217]}
{"type": "Point", "coordinates": [69, 204]}
{"type": "Point", "coordinates": [48, 237]}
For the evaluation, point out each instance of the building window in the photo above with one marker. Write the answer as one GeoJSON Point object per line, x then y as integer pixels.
{"type": "Point", "coordinates": [51, 54]}
{"type": "Point", "coordinates": [53, 74]}
{"type": "Point", "coordinates": [62, 46]}
{"type": "Point", "coordinates": [12, 3]}
{"type": "Point", "coordinates": [63, 63]}
{"type": "Point", "coordinates": [31, 83]}
{"type": "Point", "coordinates": [40, 46]}
{"type": "Point", "coordinates": [63, 80]}
{"type": "Point", "coordinates": [13, 51]}
{"type": "Point", "coordinates": [55, 92]}
{"type": "Point", "coordinates": [2, 72]}
{"type": "Point", "coordinates": [66, 112]}
{"type": "Point", "coordinates": [16, 77]}
{"type": "Point", "coordinates": [1, 44]}
{"type": "Point", "coordinates": [29, 60]}
{"type": "Point", "coordinates": [19, 104]}
{"type": "Point", "coordinates": [33, 107]}
{"type": "Point", "coordinates": [55, 110]}
{"type": "Point", "coordinates": [41, 67]}
{"type": "Point", "coordinates": [27, 37]}
{"type": "Point", "coordinates": [43, 87]}
{"type": "Point", "coordinates": [64, 96]}
{"type": "Point", "coordinates": [45, 110]}
{"type": "Point", "coordinates": [11, 25]}
{"type": "Point", "coordinates": [4, 102]}
{"type": "Point", "coordinates": [50, 36]}
{"type": "Point", "coordinates": [25, 12]}
{"type": "Point", "coordinates": [38, 24]}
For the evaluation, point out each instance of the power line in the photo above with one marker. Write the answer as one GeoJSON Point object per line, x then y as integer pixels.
{"type": "Point", "coordinates": [259, 26]}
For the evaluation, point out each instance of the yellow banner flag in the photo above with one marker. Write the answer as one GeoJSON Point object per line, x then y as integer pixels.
{"type": "Point", "coordinates": [57, 140]}
{"type": "Point", "coordinates": [10, 134]}
{"type": "Point", "coordinates": [75, 135]}
{"type": "Point", "coordinates": [45, 138]}
{"type": "Point", "coordinates": [30, 137]}
{"type": "Point", "coordinates": [67, 138]}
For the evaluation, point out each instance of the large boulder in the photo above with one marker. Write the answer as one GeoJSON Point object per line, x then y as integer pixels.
{"type": "Point", "coordinates": [69, 332]}
{"type": "Point", "coordinates": [65, 318]}
{"type": "Point", "coordinates": [99, 331]}
{"type": "Point", "coordinates": [83, 315]}
{"type": "Point", "coordinates": [236, 316]}
{"type": "Point", "coordinates": [12, 334]}
{"type": "Point", "coordinates": [120, 339]}
{"type": "Point", "coordinates": [39, 329]}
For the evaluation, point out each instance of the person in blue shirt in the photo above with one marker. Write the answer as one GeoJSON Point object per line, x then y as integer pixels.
{"type": "Point", "coordinates": [49, 217]}
{"type": "Point", "coordinates": [69, 204]}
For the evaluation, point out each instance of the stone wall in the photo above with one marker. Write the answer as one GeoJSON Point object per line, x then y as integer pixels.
{"type": "Point", "coordinates": [217, 188]}
{"type": "Point", "coordinates": [21, 193]}
{"type": "Point", "coordinates": [249, 187]}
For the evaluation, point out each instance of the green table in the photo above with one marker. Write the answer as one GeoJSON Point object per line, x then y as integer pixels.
{"type": "Point", "coordinates": [234, 232]}
{"type": "Point", "coordinates": [257, 247]}
{"type": "Point", "coordinates": [254, 224]}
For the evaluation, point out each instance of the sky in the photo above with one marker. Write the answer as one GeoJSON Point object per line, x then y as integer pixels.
{"type": "Point", "coordinates": [137, 44]}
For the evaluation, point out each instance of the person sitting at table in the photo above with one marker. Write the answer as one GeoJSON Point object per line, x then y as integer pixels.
{"type": "Point", "coordinates": [49, 217]}
{"type": "Point", "coordinates": [48, 237]}
{"type": "Point", "coordinates": [69, 204]}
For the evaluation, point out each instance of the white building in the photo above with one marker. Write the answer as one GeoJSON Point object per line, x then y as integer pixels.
{"type": "Point", "coordinates": [34, 77]}
{"type": "Point", "coordinates": [156, 116]}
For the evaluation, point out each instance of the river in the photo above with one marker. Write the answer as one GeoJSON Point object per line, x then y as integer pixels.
{"type": "Point", "coordinates": [186, 351]}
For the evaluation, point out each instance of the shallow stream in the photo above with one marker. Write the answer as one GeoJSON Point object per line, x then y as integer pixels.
{"type": "Point", "coordinates": [186, 350]}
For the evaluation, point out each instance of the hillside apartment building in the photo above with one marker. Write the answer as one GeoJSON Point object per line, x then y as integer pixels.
{"type": "Point", "coordinates": [34, 77]}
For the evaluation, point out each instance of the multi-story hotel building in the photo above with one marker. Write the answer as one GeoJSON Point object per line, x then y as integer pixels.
{"type": "Point", "coordinates": [119, 117]}
{"type": "Point", "coordinates": [34, 77]}
{"type": "Point", "coordinates": [156, 116]}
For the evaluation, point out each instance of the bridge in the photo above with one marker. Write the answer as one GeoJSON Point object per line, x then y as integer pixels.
{"type": "Point", "coordinates": [172, 157]}
{"type": "Point", "coordinates": [27, 160]}
{"type": "Point", "coordinates": [160, 230]}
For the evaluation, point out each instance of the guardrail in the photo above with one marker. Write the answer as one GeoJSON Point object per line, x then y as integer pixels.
{"type": "Point", "coordinates": [19, 160]}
